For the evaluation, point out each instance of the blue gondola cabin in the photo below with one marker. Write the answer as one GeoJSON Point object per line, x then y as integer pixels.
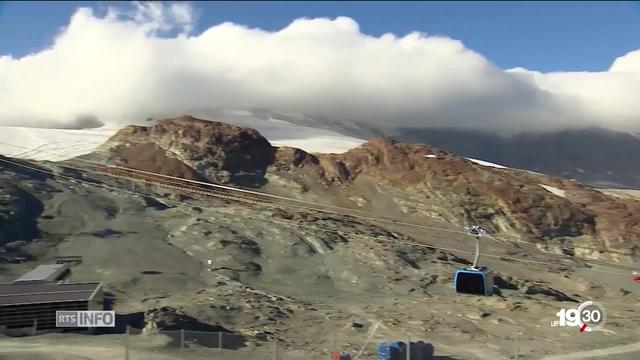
{"type": "Point", "coordinates": [474, 281]}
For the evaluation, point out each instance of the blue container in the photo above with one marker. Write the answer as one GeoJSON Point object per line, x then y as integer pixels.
{"type": "Point", "coordinates": [384, 351]}
{"type": "Point", "coordinates": [392, 351]}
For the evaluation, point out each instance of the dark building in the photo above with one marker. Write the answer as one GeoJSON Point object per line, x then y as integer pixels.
{"type": "Point", "coordinates": [28, 305]}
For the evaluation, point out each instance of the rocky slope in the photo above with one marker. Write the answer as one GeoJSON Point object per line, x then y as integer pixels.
{"type": "Point", "coordinates": [314, 280]}
{"type": "Point", "coordinates": [195, 148]}
{"type": "Point", "coordinates": [415, 181]}
{"type": "Point", "coordinates": [593, 156]}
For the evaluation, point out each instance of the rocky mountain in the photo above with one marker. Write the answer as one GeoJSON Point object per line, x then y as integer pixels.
{"type": "Point", "coordinates": [593, 156]}
{"type": "Point", "coordinates": [306, 279]}
{"type": "Point", "coordinates": [195, 148]}
{"type": "Point", "coordinates": [388, 177]}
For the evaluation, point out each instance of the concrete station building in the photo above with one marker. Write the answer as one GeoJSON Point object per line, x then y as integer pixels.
{"type": "Point", "coordinates": [28, 305]}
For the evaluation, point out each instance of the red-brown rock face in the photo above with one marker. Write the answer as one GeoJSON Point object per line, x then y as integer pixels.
{"type": "Point", "coordinates": [501, 199]}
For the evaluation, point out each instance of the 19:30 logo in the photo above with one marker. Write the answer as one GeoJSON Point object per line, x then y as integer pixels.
{"type": "Point", "coordinates": [587, 317]}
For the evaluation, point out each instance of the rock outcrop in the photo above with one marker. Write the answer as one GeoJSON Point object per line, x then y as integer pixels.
{"type": "Point", "coordinates": [486, 195]}
{"type": "Point", "coordinates": [515, 202]}
{"type": "Point", "coordinates": [210, 150]}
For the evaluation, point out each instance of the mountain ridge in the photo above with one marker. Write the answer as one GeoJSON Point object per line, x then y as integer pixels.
{"type": "Point", "coordinates": [594, 156]}
{"type": "Point", "coordinates": [416, 179]}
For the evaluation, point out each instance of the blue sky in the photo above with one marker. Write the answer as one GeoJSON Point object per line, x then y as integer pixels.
{"type": "Point", "coordinates": [579, 62]}
{"type": "Point", "coordinates": [543, 36]}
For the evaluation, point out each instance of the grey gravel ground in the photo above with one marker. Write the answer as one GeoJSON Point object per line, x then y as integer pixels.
{"type": "Point", "coordinates": [274, 271]}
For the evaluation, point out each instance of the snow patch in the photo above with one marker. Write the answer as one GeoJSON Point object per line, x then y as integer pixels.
{"type": "Point", "coordinates": [321, 144]}
{"type": "Point", "coordinates": [279, 121]}
{"type": "Point", "coordinates": [486, 163]}
{"type": "Point", "coordinates": [50, 144]}
{"type": "Point", "coordinates": [63, 144]}
{"type": "Point", "coordinates": [555, 190]}
{"type": "Point", "coordinates": [430, 156]}
{"type": "Point", "coordinates": [280, 132]}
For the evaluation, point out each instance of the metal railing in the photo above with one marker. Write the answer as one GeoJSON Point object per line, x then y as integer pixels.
{"type": "Point", "coordinates": [195, 345]}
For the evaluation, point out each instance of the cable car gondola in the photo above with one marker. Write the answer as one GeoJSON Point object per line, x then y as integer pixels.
{"type": "Point", "coordinates": [474, 279]}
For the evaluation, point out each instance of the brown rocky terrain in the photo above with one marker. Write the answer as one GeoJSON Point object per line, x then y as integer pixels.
{"type": "Point", "coordinates": [213, 150]}
{"type": "Point", "coordinates": [313, 280]}
{"type": "Point", "coordinates": [420, 181]}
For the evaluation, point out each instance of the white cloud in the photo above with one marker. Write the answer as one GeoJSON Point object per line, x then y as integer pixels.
{"type": "Point", "coordinates": [627, 63]}
{"type": "Point", "coordinates": [123, 67]}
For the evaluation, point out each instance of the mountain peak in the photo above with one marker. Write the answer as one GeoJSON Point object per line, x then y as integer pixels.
{"type": "Point", "coordinates": [215, 150]}
{"type": "Point", "coordinates": [408, 177]}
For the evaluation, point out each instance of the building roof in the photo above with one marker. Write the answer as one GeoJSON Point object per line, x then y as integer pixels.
{"type": "Point", "coordinates": [37, 293]}
{"type": "Point", "coordinates": [48, 272]}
